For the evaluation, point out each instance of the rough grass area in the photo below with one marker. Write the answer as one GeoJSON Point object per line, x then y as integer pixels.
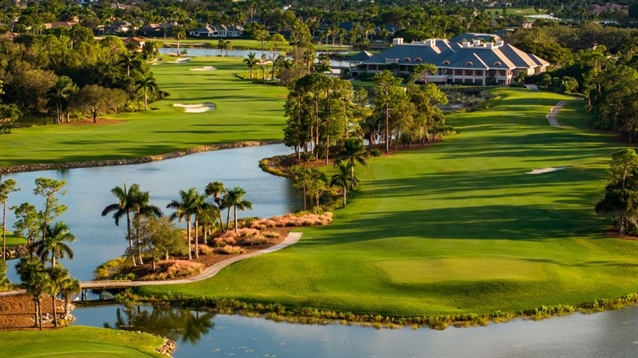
{"type": "Point", "coordinates": [79, 342]}
{"type": "Point", "coordinates": [458, 228]}
{"type": "Point", "coordinates": [244, 112]}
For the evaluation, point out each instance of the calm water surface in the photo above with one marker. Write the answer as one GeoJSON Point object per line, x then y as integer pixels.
{"type": "Point", "coordinates": [202, 334]}
{"type": "Point", "coordinates": [89, 192]}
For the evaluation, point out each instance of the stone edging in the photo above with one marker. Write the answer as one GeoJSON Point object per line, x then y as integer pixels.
{"type": "Point", "coordinates": [147, 159]}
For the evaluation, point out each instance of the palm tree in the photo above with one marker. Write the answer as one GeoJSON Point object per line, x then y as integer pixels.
{"type": "Point", "coordinates": [7, 187]}
{"type": "Point", "coordinates": [235, 200]}
{"type": "Point", "coordinates": [251, 61]}
{"type": "Point", "coordinates": [179, 33]}
{"type": "Point", "coordinates": [53, 287]}
{"type": "Point", "coordinates": [146, 84]}
{"type": "Point", "coordinates": [142, 208]}
{"type": "Point", "coordinates": [344, 178]}
{"type": "Point", "coordinates": [124, 206]}
{"type": "Point", "coordinates": [185, 209]}
{"type": "Point", "coordinates": [353, 152]}
{"type": "Point", "coordinates": [201, 207]}
{"type": "Point", "coordinates": [54, 243]}
{"type": "Point", "coordinates": [216, 189]}
{"type": "Point", "coordinates": [128, 60]}
{"type": "Point", "coordinates": [68, 286]}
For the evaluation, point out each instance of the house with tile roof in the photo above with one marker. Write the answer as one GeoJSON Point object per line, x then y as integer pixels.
{"type": "Point", "coordinates": [468, 59]}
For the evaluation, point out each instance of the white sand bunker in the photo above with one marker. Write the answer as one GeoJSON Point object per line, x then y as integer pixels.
{"type": "Point", "coordinates": [196, 108]}
{"type": "Point", "coordinates": [205, 68]}
{"type": "Point", "coordinates": [546, 170]}
{"type": "Point", "coordinates": [182, 60]}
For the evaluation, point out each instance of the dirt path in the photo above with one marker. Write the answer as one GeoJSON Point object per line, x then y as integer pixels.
{"type": "Point", "coordinates": [211, 271]}
{"type": "Point", "coordinates": [551, 117]}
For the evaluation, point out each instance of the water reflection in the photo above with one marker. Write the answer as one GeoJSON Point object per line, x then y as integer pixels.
{"type": "Point", "coordinates": [606, 334]}
{"type": "Point", "coordinates": [180, 325]}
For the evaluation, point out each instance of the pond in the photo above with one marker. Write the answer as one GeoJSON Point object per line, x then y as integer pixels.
{"type": "Point", "coordinates": [199, 334]}
{"type": "Point", "coordinates": [89, 192]}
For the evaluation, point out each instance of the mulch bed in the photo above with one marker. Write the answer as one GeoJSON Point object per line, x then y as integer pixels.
{"type": "Point", "coordinates": [18, 312]}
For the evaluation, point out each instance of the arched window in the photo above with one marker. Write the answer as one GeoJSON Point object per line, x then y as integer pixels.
{"type": "Point", "coordinates": [418, 59]}
{"type": "Point", "coordinates": [446, 62]}
{"type": "Point", "coordinates": [469, 63]}
{"type": "Point", "coordinates": [498, 63]}
{"type": "Point", "coordinates": [407, 59]}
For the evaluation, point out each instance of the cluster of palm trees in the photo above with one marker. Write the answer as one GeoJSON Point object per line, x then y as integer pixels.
{"type": "Point", "coordinates": [313, 184]}
{"type": "Point", "coordinates": [192, 207]}
{"type": "Point", "coordinates": [47, 242]}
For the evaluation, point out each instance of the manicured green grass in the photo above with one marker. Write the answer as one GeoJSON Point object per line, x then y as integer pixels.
{"type": "Point", "coordinates": [458, 227]}
{"type": "Point", "coordinates": [245, 112]}
{"type": "Point", "coordinates": [13, 240]}
{"type": "Point", "coordinates": [79, 342]}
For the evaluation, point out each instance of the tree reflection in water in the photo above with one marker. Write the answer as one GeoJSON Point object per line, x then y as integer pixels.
{"type": "Point", "coordinates": [178, 324]}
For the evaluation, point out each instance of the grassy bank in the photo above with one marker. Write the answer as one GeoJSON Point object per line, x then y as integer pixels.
{"type": "Point", "coordinates": [458, 228]}
{"type": "Point", "coordinates": [13, 240]}
{"type": "Point", "coordinates": [79, 342]}
{"type": "Point", "coordinates": [245, 112]}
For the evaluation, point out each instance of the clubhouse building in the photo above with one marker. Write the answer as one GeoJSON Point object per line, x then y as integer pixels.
{"type": "Point", "coordinates": [468, 59]}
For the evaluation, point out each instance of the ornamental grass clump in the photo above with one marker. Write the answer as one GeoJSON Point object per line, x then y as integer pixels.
{"type": "Point", "coordinates": [230, 250]}
{"type": "Point", "coordinates": [253, 241]}
{"type": "Point", "coordinates": [271, 235]}
{"type": "Point", "coordinates": [171, 269]}
{"type": "Point", "coordinates": [205, 249]}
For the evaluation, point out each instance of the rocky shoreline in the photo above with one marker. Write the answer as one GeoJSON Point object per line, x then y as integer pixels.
{"type": "Point", "coordinates": [147, 159]}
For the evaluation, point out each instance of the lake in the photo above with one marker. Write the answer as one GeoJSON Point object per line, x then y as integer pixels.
{"type": "Point", "coordinates": [89, 192]}
{"type": "Point", "coordinates": [199, 334]}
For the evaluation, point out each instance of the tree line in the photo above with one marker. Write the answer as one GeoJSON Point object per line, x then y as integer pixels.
{"type": "Point", "coordinates": [66, 75]}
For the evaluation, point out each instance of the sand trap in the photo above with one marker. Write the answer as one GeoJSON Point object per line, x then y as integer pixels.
{"type": "Point", "coordinates": [205, 68]}
{"type": "Point", "coordinates": [182, 60]}
{"type": "Point", "coordinates": [546, 170]}
{"type": "Point", "coordinates": [196, 108]}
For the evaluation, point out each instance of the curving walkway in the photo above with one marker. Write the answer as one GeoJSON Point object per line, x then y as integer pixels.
{"type": "Point", "coordinates": [551, 117]}
{"type": "Point", "coordinates": [211, 271]}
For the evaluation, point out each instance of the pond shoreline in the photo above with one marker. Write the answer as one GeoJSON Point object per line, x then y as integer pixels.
{"type": "Point", "coordinates": [128, 161]}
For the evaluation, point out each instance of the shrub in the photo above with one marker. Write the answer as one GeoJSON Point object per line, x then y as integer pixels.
{"type": "Point", "coordinates": [271, 235]}
{"type": "Point", "coordinates": [375, 153]}
{"type": "Point", "coordinates": [205, 250]}
{"type": "Point", "coordinates": [170, 269]}
{"type": "Point", "coordinates": [230, 250]}
{"type": "Point", "coordinates": [246, 232]}
{"type": "Point", "coordinates": [252, 241]}
{"type": "Point", "coordinates": [225, 240]}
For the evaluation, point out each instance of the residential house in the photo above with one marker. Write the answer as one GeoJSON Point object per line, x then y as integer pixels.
{"type": "Point", "coordinates": [118, 27]}
{"type": "Point", "coordinates": [608, 7]}
{"type": "Point", "coordinates": [217, 31]}
{"type": "Point", "coordinates": [140, 41]}
{"type": "Point", "coordinates": [478, 59]}
{"type": "Point", "coordinates": [150, 30]}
